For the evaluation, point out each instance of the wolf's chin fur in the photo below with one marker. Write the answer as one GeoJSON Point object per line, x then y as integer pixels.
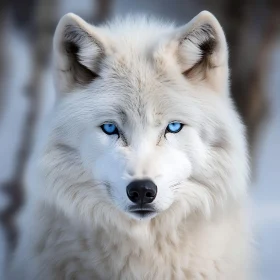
{"type": "Point", "coordinates": [139, 74]}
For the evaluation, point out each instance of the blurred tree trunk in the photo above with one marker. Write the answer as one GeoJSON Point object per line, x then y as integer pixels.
{"type": "Point", "coordinates": [2, 70]}
{"type": "Point", "coordinates": [41, 43]}
{"type": "Point", "coordinates": [251, 30]}
{"type": "Point", "coordinates": [21, 12]}
{"type": "Point", "coordinates": [102, 10]}
{"type": "Point", "coordinates": [3, 64]}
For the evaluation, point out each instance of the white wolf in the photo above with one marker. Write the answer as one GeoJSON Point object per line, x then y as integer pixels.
{"type": "Point", "coordinates": [142, 171]}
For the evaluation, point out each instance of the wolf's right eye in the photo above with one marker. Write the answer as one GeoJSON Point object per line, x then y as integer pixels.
{"type": "Point", "coordinates": [109, 128]}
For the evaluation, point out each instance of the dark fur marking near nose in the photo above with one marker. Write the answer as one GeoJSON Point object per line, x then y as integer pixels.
{"type": "Point", "coordinates": [130, 172]}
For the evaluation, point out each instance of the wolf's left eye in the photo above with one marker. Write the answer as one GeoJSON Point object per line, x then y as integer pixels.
{"type": "Point", "coordinates": [174, 127]}
{"type": "Point", "coordinates": [110, 128]}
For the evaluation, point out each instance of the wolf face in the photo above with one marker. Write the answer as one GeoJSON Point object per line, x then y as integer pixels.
{"type": "Point", "coordinates": [144, 121]}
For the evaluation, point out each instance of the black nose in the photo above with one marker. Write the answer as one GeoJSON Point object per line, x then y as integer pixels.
{"type": "Point", "coordinates": [141, 191]}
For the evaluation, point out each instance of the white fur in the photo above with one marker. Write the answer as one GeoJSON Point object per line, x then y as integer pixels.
{"type": "Point", "coordinates": [75, 224]}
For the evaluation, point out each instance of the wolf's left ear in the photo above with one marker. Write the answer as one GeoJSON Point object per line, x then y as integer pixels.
{"type": "Point", "coordinates": [78, 50]}
{"type": "Point", "coordinates": [202, 52]}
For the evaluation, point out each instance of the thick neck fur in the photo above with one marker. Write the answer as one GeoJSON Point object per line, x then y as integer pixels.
{"type": "Point", "coordinates": [183, 247]}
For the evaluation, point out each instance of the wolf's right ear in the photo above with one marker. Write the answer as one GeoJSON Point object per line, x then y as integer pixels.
{"type": "Point", "coordinates": [78, 50]}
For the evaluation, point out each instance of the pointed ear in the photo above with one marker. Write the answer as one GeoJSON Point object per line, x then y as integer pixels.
{"type": "Point", "coordinates": [78, 51]}
{"type": "Point", "coordinates": [202, 51]}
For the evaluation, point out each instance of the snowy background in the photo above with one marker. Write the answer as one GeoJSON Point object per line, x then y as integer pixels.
{"type": "Point", "coordinates": [265, 190]}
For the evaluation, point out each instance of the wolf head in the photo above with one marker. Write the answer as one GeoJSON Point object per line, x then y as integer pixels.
{"type": "Point", "coordinates": [144, 122]}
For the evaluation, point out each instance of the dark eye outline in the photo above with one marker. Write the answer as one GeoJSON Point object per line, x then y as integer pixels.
{"type": "Point", "coordinates": [114, 132]}
{"type": "Point", "coordinates": [170, 131]}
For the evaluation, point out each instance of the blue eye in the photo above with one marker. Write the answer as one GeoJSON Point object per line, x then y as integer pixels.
{"type": "Point", "coordinates": [109, 128]}
{"type": "Point", "coordinates": [174, 127]}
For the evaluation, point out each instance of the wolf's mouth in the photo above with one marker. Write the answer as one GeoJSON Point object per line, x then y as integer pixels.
{"type": "Point", "coordinates": [144, 212]}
